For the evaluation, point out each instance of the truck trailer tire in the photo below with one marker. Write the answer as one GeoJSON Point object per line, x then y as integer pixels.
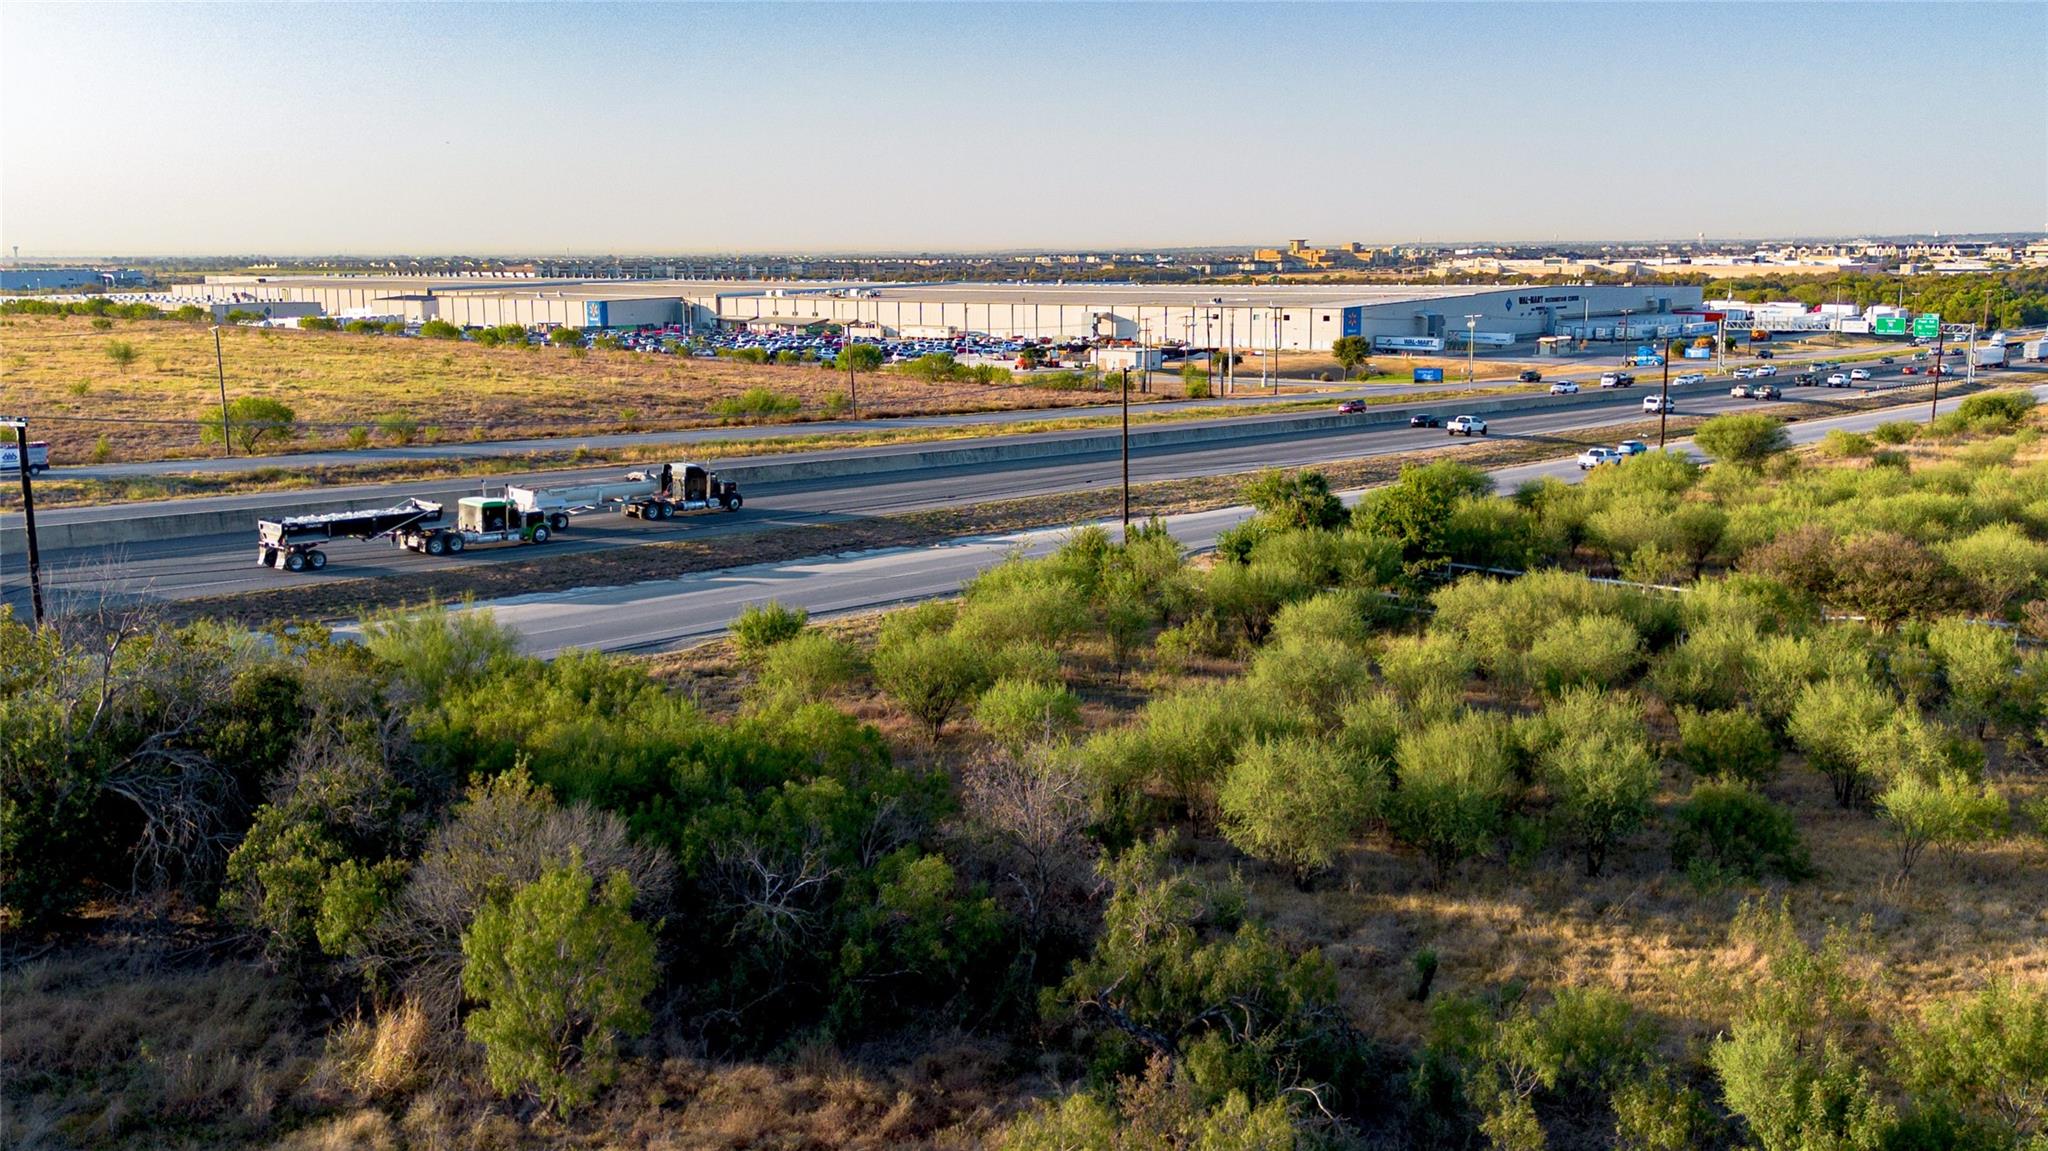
{"type": "Point", "coordinates": [663, 511]}
{"type": "Point", "coordinates": [316, 560]}
{"type": "Point", "coordinates": [455, 544]}
{"type": "Point", "coordinates": [294, 561]}
{"type": "Point", "coordinates": [436, 544]}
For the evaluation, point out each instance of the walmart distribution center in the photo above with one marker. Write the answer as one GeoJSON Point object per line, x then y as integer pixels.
{"type": "Point", "coordinates": [1287, 317]}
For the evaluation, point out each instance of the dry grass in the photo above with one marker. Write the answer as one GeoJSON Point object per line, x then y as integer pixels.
{"type": "Point", "coordinates": [58, 372]}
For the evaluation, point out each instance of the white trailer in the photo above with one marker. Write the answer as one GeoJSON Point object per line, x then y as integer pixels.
{"type": "Point", "coordinates": [2034, 350]}
{"type": "Point", "coordinates": [1988, 356]}
{"type": "Point", "coordinates": [649, 495]}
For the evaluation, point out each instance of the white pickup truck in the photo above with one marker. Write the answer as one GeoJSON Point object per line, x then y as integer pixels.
{"type": "Point", "coordinates": [1466, 426]}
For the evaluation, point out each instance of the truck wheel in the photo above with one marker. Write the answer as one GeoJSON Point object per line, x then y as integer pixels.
{"type": "Point", "coordinates": [540, 533]}
{"type": "Point", "coordinates": [664, 511]}
{"type": "Point", "coordinates": [436, 544]}
{"type": "Point", "coordinates": [294, 562]}
{"type": "Point", "coordinates": [559, 521]}
{"type": "Point", "coordinates": [455, 544]}
{"type": "Point", "coordinates": [316, 560]}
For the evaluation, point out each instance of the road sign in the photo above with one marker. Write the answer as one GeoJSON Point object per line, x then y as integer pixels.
{"type": "Point", "coordinates": [1927, 325]}
{"type": "Point", "coordinates": [1429, 375]}
{"type": "Point", "coordinates": [1888, 326]}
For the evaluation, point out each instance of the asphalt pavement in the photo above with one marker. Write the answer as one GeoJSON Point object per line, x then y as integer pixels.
{"type": "Point", "coordinates": [666, 614]}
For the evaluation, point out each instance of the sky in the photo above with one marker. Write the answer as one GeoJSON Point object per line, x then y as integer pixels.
{"type": "Point", "coordinates": [538, 128]}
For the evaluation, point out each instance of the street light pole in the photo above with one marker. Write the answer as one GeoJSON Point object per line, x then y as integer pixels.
{"type": "Point", "coordinates": [1471, 346]}
{"type": "Point", "coordinates": [1664, 405]}
{"type": "Point", "coordinates": [1621, 334]}
{"type": "Point", "coordinates": [227, 443]}
{"type": "Point", "coordinates": [28, 515]}
{"type": "Point", "coordinates": [1127, 453]}
{"type": "Point", "coordinates": [1934, 403]}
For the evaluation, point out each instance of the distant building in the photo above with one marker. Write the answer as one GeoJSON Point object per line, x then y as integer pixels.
{"type": "Point", "coordinates": [66, 279]}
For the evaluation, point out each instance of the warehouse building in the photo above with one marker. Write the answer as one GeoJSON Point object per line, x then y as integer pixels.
{"type": "Point", "coordinates": [1288, 317]}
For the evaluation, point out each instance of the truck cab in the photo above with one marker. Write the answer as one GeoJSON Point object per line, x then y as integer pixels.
{"type": "Point", "coordinates": [490, 520]}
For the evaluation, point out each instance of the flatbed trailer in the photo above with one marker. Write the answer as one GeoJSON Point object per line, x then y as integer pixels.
{"type": "Point", "coordinates": [292, 543]}
{"type": "Point", "coordinates": [649, 495]}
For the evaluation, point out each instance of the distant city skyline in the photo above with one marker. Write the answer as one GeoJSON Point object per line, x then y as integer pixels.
{"type": "Point", "coordinates": [550, 130]}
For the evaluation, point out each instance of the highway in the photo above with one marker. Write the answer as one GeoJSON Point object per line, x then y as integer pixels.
{"type": "Point", "coordinates": [672, 613]}
{"type": "Point", "coordinates": [1584, 367]}
{"type": "Point", "coordinates": [220, 564]}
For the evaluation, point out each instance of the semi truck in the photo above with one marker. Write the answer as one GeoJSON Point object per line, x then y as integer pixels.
{"type": "Point", "coordinates": [523, 515]}
{"type": "Point", "coordinates": [649, 495]}
{"type": "Point", "coordinates": [1988, 356]}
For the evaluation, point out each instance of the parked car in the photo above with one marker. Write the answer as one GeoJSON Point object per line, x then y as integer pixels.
{"type": "Point", "coordinates": [1564, 388]}
{"type": "Point", "coordinates": [1765, 392]}
{"type": "Point", "coordinates": [1838, 380]}
{"type": "Point", "coordinates": [1593, 457]}
{"type": "Point", "coordinates": [1739, 391]}
{"type": "Point", "coordinates": [1691, 378]}
{"type": "Point", "coordinates": [1530, 376]}
{"type": "Point", "coordinates": [1631, 448]}
{"type": "Point", "coordinates": [1859, 373]}
{"type": "Point", "coordinates": [1466, 426]}
{"type": "Point", "coordinates": [1655, 404]}
{"type": "Point", "coordinates": [1351, 407]}
{"type": "Point", "coordinates": [1425, 420]}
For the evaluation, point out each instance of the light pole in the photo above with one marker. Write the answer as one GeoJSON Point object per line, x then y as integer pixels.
{"type": "Point", "coordinates": [1621, 335]}
{"type": "Point", "coordinates": [1664, 405]}
{"type": "Point", "coordinates": [28, 514]}
{"type": "Point", "coordinates": [227, 443]}
{"type": "Point", "coordinates": [1471, 346]}
{"type": "Point", "coordinates": [1127, 453]}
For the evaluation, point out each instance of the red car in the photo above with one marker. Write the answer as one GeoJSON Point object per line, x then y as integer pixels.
{"type": "Point", "coordinates": [1909, 370]}
{"type": "Point", "coordinates": [1351, 407]}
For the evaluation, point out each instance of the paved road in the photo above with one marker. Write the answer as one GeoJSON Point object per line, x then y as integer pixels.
{"type": "Point", "coordinates": [672, 613]}
{"type": "Point", "coordinates": [1584, 366]}
{"type": "Point", "coordinates": [186, 568]}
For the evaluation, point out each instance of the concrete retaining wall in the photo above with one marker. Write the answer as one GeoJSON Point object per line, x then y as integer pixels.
{"type": "Point", "coordinates": [56, 534]}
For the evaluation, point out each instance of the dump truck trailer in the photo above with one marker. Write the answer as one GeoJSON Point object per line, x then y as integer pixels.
{"type": "Point", "coordinates": [292, 543]}
{"type": "Point", "coordinates": [650, 495]}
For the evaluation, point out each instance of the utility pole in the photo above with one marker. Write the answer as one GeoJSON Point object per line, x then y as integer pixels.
{"type": "Point", "coordinates": [1471, 346]}
{"type": "Point", "coordinates": [227, 443]}
{"type": "Point", "coordinates": [28, 515]}
{"type": "Point", "coordinates": [1621, 335]}
{"type": "Point", "coordinates": [1934, 403]}
{"type": "Point", "coordinates": [1127, 454]}
{"type": "Point", "coordinates": [1664, 405]}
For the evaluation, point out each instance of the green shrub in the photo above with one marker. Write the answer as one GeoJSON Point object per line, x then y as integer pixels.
{"type": "Point", "coordinates": [1732, 746]}
{"type": "Point", "coordinates": [1707, 669]}
{"type": "Point", "coordinates": [440, 330]}
{"type": "Point", "coordinates": [1748, 439]}
{"type": "Point", "coordinates": [1728, 830]}
{"type": "Point", "coordinates": [1295, 499]}
{"type": "Point", "coordinates": [1983, 1056]}
{"type": "Point", "coordinates": [1796, 1096]}
{"type": "Point", "coordinates": [1948, 813]}
{"type": "Point", "coordinates": [1832, 721]}
{"type": "Point", "coordinates": [809, 667]}
{"type": "Point", "coordinates": [1018, 712]}
{"type": "Point", "coordinates": [1591, 650]}
{"type": "Point", "coordinates": [1297, 802]}
{"type": "Point", "coordinates": [760, 626]}
{"type": "Point", "coordinates": [399, 429]}
{"type": "Point", "coordinates": [1841, 445]}
{"type": "Point", "coordinates": [1426, 667]}
{"type": "Point", "coordinates": [251, 422]}
{"type": "Point", "coordinates": [1895, 432]}
{"type": "Point", "coordinates": [755, 404]}
{"type": "Point", "coordinates": [932, 677]}
{"type": "Point", "coordinates": [2000, 565]}
{"type": "Point", "coordinates": [1310, 678]}
{"type": "Point", "coordinates": [1603, 777]}
{"type": "Point", "coordinates": [1995, 411]}
{"type": "Point", "coordinates": [561, 971]}
{"type": "Point", "coordinates": [1455, 779]}
{"type": "Point", "coordinates": [1336, 616]}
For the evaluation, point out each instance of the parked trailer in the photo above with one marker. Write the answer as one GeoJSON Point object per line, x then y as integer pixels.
{"type": "Point", "coordinates": [293, 542]}
{"type": "Point", "coordinates": [648, 495]}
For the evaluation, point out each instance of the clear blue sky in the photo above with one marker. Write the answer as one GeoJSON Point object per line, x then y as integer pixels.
{"type": "Point", "coordinates": [598, 128]}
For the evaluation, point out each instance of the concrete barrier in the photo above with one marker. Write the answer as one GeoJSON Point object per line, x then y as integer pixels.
{"type": "Point", "coordinates": [55, 532]}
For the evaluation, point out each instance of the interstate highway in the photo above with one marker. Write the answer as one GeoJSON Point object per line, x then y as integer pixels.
{"type": "Point", "coordinates": [211, 565]}
{"type": "Point", "coordinates": [673, 613]}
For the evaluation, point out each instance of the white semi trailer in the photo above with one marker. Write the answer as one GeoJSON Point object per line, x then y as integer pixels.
{"type": "Point", "coordinates": [649, 495]}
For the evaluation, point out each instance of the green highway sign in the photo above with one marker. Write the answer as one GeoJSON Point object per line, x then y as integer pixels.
{"type": "Point", "coordinates": [1889, 326]}
{"type": "Point", "coordinates": [1927, 325]}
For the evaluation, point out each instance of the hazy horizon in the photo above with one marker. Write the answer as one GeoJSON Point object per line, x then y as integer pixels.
{"type": "Point", "coordinates": [870, 129]}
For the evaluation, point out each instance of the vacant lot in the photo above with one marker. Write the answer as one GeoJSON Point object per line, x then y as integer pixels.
{"type": "Point", "coordinates": [147, 386]}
